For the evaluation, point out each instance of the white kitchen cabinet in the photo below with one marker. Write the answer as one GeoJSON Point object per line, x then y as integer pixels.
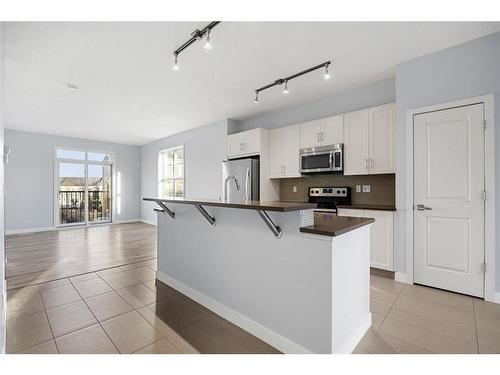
{"type": "Point", "coordinates": [382, 236]}
{"type": "Point", "coordinates": [332, 130]}
{"type": "Point", "coordinates": [368, 141]}
{"type": "Point", "coordinates": [309, 134]}
{"type": "Point", "coordinates": [284, 152]}
{"type": "Point", "coordinates": [356, 143]}
{"type": "Point", "coordinates": [322, 132]}
{"type": "Point", "coordinates": [381, 138]}
{"type": "Point", "coordinates": [245, 143]}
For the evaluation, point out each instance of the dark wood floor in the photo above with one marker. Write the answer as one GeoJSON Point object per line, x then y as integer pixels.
{"type": "Point", "coordinates": [36, 258]}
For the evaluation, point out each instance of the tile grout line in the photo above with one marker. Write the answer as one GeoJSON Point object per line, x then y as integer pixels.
{"type": "Point", "coordinates": [48, 320]}
{"type": "Point", "coordinates": [385, 316]}
{"type": "Point", "coordinates": [95, 317]}
{"type": "Point", "coordinates": [475, 326]}
{"type": "Point", "coordinates": [133, 309]}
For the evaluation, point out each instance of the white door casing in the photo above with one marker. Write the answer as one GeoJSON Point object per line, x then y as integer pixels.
{"type": "Point", "coordinates": [449, 184]}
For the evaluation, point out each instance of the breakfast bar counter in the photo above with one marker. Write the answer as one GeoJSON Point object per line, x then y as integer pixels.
{"type": "Point", "coordinates": [298, 288]}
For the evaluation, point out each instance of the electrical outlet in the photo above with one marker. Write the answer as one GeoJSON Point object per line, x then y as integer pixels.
{"type": "Point", "coordinates": [358, 188]}
{"type": "Point", "coordinates": [367, 188]}
{"type": "Point", "coordinates": [294, 189]}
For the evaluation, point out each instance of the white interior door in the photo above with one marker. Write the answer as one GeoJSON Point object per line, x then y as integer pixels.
{"type": "Point", "coordinates": [448, 188]}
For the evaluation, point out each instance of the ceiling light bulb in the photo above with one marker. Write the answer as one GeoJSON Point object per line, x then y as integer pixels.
{"type": "Point", "coordinates": [285, 90]}
{"type": "Point", "coordinates": [207, 44]}
{"type": "Point", "coordinates": [327, 74]}
{"type": "Point", "coordinates": [176, 63]}
{"type": "Point", "coordinates": [256, 100]}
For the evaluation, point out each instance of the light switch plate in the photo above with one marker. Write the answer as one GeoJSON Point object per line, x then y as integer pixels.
{"type": "Point", "coordinates": [294, 189]}
{"type": "Point", "coordinates": [367, 188]}
{"type": "Point", "coordinates": [358, 188]}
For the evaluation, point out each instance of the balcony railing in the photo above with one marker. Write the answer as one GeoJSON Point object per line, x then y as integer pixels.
{"type": "Point", "coordinates": [72, 206]}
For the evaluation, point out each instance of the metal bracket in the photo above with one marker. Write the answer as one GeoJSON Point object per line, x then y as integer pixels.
{"type": "Point", "coordinates": [205, 214]}
{"type": "Point", "coordinates": [273, 227]}
{"type": "Point", "coordinates": [164, 208]}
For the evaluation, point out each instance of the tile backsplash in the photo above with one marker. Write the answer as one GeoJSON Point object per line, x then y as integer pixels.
{"type": "Point", "coordinates": [383, 187]}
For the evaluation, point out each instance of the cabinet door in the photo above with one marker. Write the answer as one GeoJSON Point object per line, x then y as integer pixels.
{"type": "Point", "coordinates": [350, 212]}
{"type": "Point", "coordinates": [332, 130]}
{"type": "Point", "coordinates": [310, 133]}
{"type": "Point", "coordinates": [252, 142]}
{"type": "Point", "coordinates": [276, 152]}
{"type": "Point", "coordinates": [381, 139]}
{"type": "Point", "coordinates": [356, 143]}
{"type": "Point", "coordinates": [382, 241]}
{"type": "Point", "coordinates": [235, 144]}
{"type": "Point", "coordinates": [291, 145]}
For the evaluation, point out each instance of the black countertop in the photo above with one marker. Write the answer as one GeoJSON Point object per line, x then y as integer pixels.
{"type": "Point", "coordinates": [276, 206]}
{"type": "Point", "coordinates": [378, 207]}
{"type": "Point", "coordinates": [334, 226]}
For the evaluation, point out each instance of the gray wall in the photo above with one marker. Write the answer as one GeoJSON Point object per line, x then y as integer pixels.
{"type": "Point", "coordinates": [371, 95]}
{"type": "Point", "coordinates": [463, 71]}
{"type": "Point", "coordinates": [204, 150]}
{"type": "Point", "coordinates": [29, 178]}
{"type": "Point", "coordinates": [2, 253]}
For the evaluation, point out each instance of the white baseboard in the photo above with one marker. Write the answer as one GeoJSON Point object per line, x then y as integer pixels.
{"type": "Point", "coordinates": [150, 222]}
{"type": "Point", "coordinates": [351, 344]}
{"type": "Point", "coordinates": [265, 334]}
{"type": "Point", "coordinates": [401, 277]}
{"type": "Point", "coordinates": [126, 221]}
{"type": "Point", "coordinates": [45, 229]}
{"type": "Point", "coordinates": [497, 297]}
{"type": "Point", "coordinates": [28, 230]}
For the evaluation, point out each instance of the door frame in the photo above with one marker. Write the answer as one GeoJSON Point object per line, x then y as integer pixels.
{"type": "Point", "coordinates": [489, 169]}
{"type": "Point", "coordinates": [85, 163]}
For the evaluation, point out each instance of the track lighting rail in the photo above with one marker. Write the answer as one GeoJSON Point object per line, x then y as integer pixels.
{"type": "Point", "coordinates": [196, 35]}
{"type": "Point", "coordinates": [285, 80]}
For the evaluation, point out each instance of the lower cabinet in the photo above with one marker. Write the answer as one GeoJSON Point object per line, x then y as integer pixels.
{"type": "Point", "coordinates": [382, 236]}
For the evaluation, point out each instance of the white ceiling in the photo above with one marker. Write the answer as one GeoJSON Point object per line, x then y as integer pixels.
{"type": "Point", "coordinates": [128, 92]}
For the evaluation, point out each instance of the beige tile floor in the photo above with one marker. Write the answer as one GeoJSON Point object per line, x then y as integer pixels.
{"type": "Point", "coordinates": [418, 319]}
{"type": "Point", "coordinates": [118, 310]}
{"type": "Point", "coordinates": [123, 310]}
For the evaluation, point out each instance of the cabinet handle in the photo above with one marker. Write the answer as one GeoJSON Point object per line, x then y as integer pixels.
{"type": "Point", "coordinates": [284, 170]}
{"type": "Point", "coordinates": [366, 163]}
{"type": "Point", "coordinates": [321, 137]}
{"type": "Point", "coordinates": [371, 163]}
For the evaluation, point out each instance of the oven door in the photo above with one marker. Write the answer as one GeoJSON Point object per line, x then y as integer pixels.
{"type": "Point", "coordinates": [316, 162]}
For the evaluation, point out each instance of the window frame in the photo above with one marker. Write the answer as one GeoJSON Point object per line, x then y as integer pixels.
{"type": "Point", "coordinates": [160, 181]}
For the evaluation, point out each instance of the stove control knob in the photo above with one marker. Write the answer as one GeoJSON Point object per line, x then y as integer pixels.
{"type": "Point", "coordinates": [338, 191]}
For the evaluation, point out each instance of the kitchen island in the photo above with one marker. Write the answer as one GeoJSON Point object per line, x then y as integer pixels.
{"type": "Point", "coordinates": [265, 267]}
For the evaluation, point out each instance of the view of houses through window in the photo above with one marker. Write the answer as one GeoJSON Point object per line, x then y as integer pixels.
{"type": "Point", "coordinates": [171, 172]}
{"type": "Point", "coordinates": [83, 186]}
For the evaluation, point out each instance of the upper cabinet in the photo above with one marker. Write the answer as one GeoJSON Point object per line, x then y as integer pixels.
{"type": "Point", "coordinates": [284, 152]}
{"type": "Point", "coordinates": [322, 132]}
{"type": "Point", "coordinates": [246, 143]}
{"type": "Point", "coordinates": [368, 141]}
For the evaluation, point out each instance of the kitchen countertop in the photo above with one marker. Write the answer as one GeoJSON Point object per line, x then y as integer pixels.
{"type": "Point", "coordinates": [378, 207]}
{"type": "Point", "coordinates": [276, 206]}
{"type": "Point", "coordinates": [334, 226]}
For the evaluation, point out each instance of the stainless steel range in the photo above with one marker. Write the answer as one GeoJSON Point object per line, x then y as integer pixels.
{"type": "Point", "coordinates": [328, 198]}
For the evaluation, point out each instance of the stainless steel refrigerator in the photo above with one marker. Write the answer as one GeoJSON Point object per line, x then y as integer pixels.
{"type": "Point", "coordinates": [240, 180]}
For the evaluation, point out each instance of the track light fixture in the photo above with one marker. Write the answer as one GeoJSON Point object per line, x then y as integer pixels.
{"type": "Point", "coordinates": [256, 100]}
{"type": "Point", "coordinates": [196, 35]}
{"type": "Point", "coordinates": [285, 80]}
{"type": "Point", "coordinates": [285, 90]}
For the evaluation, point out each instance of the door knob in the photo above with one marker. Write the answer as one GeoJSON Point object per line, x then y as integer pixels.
{"type": "Point", "coordinates": [421, 207]}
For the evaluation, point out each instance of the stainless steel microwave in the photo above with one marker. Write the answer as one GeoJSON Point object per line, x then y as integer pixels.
{"type": "Point", "coordinates": [322, 159]}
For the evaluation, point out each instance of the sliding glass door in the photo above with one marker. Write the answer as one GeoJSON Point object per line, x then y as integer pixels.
{"type": "Point", "coordinates": [83, 190]}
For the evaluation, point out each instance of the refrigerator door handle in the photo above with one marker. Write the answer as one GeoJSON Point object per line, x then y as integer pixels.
{"type": "Point", "coordinates": [247, 182]}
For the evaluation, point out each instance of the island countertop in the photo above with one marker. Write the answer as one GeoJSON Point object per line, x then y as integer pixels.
{"type": "Point", "coordinates": [334, 226]}
{"type": "Point", "coordinates": [276, 206]}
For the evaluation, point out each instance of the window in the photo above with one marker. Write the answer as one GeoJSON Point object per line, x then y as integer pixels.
{"type": "Point", "coordinates": [171, 173]}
